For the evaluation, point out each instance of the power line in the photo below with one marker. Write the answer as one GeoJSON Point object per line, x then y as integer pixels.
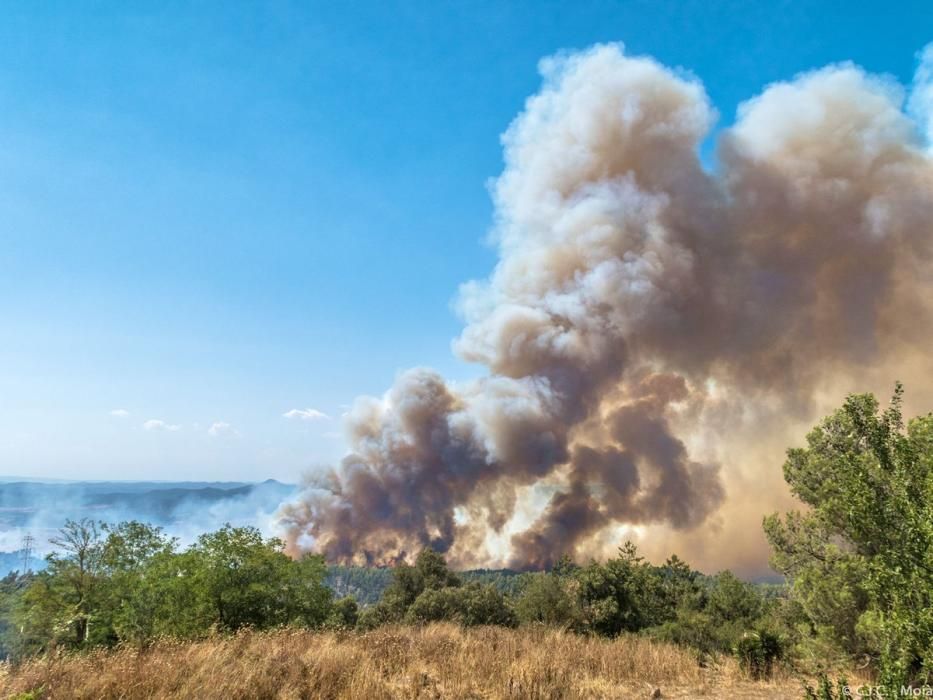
{"type": "Point", "coordinates": [28, 544]}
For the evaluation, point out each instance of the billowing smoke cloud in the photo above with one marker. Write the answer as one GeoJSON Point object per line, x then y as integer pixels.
{"type": "Point", "coordinates": [645, 312]}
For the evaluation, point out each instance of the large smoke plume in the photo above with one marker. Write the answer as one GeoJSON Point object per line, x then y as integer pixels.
{"type": "Point", "coordinates": [651, 323]}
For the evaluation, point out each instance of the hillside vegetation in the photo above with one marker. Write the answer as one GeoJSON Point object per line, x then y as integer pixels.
{"type": "Point", "coordinates": [860, 563]}
{"type": "Point", "coordinates": [366, 584]}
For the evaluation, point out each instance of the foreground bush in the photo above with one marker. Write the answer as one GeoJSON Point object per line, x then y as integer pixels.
{"type": "Point", "coordinates": [758, 652]}
{"type": "Point", "coordinates": [470, 605]}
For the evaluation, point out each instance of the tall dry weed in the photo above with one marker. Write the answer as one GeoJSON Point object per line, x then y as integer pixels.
{"type": "Point", "coordinates": [438, 661]}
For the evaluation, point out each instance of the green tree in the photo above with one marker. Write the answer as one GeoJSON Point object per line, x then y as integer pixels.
{"type": "Point", "coordinates": [867, 535]}
{"type": "Point", "coordinates": [133, 596]}
{"type": "Point", "coordinates": [483, 604]}
{"type": "Point", "coordinates": [622, 595]}
{"type": "Point", "coordinates": [344, 614]}
{"type": "Point", "coordinates": [60, 603]}
{"type": "Point", "coordinates": [435, 605]}
{"type": "Point", "coordinates": [731, 600]}
{"type": "Point", "coordinates": [545, 600]}
{"type": "Point", "coordinates": [375, 616]}
{"type": "Point", "coordinates": [429, 573]}
{"type": "Point", "coordinates": [307, 601]}
{"type": "Point", "coordinates": [173, 596]}
{"type": "Point", "coordinates": [565, 566]}
{"type": "Point", "coordinates": [432, 572]}
{"type": "Point", "coordinates": [245, 580]}
{"type": "Point", "coordinates": [680, 586]}
{"type": "Point", "coordinates": [470, 605]}
{"type": "Point", "coordinates": [12, 587]}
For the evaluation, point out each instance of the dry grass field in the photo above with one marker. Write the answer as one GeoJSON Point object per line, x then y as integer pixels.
{"type": "Point", "coordinates": [440, 661]}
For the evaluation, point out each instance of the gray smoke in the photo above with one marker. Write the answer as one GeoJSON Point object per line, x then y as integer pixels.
{"type": "Point", "coordinates": [641, 304]}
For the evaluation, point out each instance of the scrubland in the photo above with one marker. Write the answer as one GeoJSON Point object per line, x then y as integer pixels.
{"type": "Point", "coordinates": [435, 661]}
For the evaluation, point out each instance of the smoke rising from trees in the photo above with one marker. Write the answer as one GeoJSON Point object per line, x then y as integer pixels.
{"type": "Point", "coordinates": [641, 303]}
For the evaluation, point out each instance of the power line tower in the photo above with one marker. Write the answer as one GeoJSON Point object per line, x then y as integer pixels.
{"type": "Point", "coordinates": [28, 544]}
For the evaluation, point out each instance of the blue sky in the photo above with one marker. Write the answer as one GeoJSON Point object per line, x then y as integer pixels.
{"type": "Point", "coordinates": [214, 213]}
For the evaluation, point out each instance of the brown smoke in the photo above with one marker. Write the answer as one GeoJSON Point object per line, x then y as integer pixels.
{"type": "Point", "coordinates": [653, 330]}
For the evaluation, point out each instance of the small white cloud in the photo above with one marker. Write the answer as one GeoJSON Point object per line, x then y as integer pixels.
{"type": "Point", "coordinates": [306, 414]}
{"type": "Point", "coordinates": [155, 424]}
{"type": "Point", "coordinates": [220, 428]}
{"type": "Point", "coordinates": [119, 413]}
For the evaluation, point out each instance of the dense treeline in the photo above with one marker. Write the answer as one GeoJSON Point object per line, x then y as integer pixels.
{"type": "Point", "coordinates": [859, 563]}
{"type": "Point", "coordinates": [130, 583]}
{"type": "Point", "coordinates": [625, 594]}
{"type": "Point", "coordinates": [367, 583]}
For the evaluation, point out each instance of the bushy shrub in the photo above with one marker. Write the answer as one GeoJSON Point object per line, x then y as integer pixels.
{"type": "Point", "coordinates": [545, 600]}
{"type": "Point", "coordinates": [694, 629]}
{"type": "Point", "coordinates": [470, 605]}
{"type": "Point", "coordinates": [623, 595]}
{"type": "Point", "coordinates": [827, 690]}
{"type": "Point", "coordinates": [429, 573]}
{"type": "Point", "coordinates": [435, 605]}
{"type": "Point", "coordinates": [374, 616]}
{"type": "Point", "coordinates": [757, 653]}
{"type": "Point", "coordinates": [484, 605]}
{"type": "Point", "coordinates": [344, 614]}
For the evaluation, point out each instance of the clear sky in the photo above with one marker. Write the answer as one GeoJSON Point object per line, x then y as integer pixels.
{"type": "Point", "coordinates": [212, 214]}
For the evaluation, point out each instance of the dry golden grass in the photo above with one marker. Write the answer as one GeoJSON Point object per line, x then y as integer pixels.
{"type": "Point", "coordinates": [440, 661]}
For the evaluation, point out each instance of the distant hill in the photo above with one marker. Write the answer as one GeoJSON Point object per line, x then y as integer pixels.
{"type": "Point", "coordinates": [31, 489]}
